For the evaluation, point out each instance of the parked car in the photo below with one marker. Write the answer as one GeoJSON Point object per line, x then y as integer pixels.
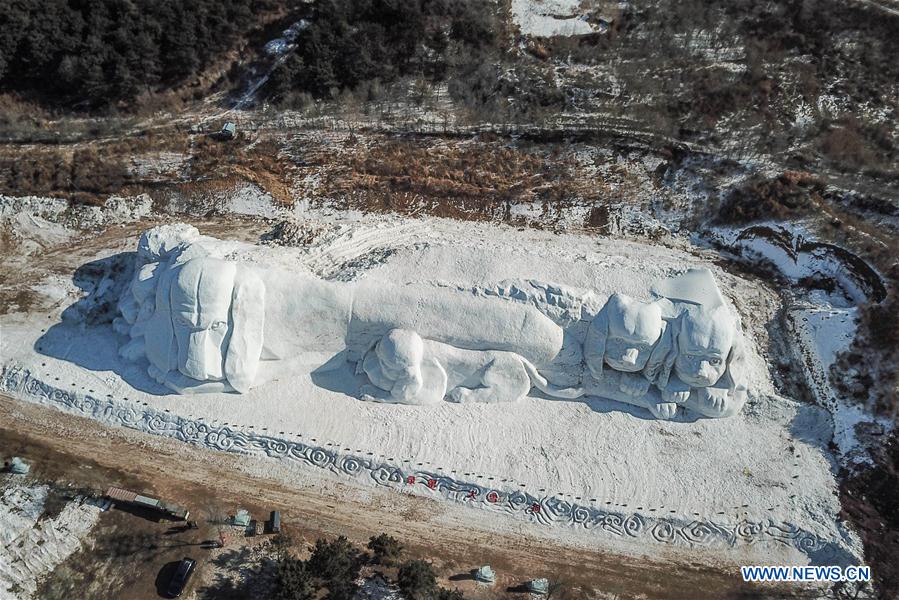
{"type": "Point", "coordinates": [180, 578]}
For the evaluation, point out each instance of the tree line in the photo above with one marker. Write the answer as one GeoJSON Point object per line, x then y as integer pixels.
{"type": "Point", "coordinates": [97, 52]}
{"type": "Point", "coordinates": [354, 42]}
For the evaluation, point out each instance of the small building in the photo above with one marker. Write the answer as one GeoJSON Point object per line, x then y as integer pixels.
{"type": "Point", "coordinates": [127, 496]}
{"type": "Point", "coordinates": [229, 130]}
{"type": "Point", "coordinates": [242, 518]}
{"type": "Point", "coordinates": [485, 574]}
{"type": "Point", "coordinates": [275, 521]}
{"type": "Point", "coordinates": [17, 466]}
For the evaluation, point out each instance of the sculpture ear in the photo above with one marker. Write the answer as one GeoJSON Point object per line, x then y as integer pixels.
{"type": "Point", "coordinates": [595, 343]}
{"type": "Point", "coordinates": [247, 321]}
{"type": "Point", "coordinates": [661, 360]}
{"type": "Point", "coordinates": [160, 346]}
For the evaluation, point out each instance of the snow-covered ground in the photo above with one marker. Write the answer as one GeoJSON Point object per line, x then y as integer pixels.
{"type": "Point", "coordinates": [759, 485]}
{"type": "Point", "coordinates": [823, 323]}
{"type": "Point", "coordinates": [32, 544]}
{"type": "Point", "coordinates": [545, 18]}
{"type": "Point", "coordinates": [822, 332]}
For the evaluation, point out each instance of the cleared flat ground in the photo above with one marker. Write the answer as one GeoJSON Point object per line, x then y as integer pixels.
{"type": "Point", "coordinates": [132, 549]}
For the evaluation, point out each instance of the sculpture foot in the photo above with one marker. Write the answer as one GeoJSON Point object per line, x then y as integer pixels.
{"type": "Point", "coordinates": [712, 402]}
{"type": "Point", "coordinates": [663, 410]}
{"type": "Point", "coordinates": [458, 395]}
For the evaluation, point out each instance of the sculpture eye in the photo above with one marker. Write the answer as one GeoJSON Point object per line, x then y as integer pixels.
{"type": "Point", "coordinates": [714, 361]}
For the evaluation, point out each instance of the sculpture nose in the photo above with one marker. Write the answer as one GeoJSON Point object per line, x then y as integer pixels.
{"type": "Point", "coordinates": [707, 371]}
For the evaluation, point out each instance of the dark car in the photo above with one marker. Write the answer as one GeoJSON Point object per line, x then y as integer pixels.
{"type": "Point", "coordinates": [180, 578]}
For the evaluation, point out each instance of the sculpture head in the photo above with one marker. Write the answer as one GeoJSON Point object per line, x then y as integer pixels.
{"type": "Point", "coordinates": [623, 335]}
{"type": "Point", "coordinates": [400, 353]}
{"type": "Point", "coordinates": [215, 312]}
{"type": "Point", "coordinates": [705, 345]}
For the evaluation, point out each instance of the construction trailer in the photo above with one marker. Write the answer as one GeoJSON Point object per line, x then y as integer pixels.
{"type": "Point", "coordinates": [538, 586]}
{"type": "Point", "coordinates": [173, 511]}
{"type": "Point", "coordinates": [485, 574]}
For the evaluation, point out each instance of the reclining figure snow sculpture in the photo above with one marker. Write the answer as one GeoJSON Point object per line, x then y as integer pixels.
{"type": "Point", "coordinates": [206, 324]}
{"type": "Point", "coordinates": [417, 371]}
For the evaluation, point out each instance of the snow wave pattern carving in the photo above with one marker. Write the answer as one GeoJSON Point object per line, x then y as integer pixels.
{"type": "Point", "coordinates": [545, 510]}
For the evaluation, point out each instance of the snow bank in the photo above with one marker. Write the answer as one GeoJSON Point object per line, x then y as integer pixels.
{"type": "Point", "coordinates": [34, 217]}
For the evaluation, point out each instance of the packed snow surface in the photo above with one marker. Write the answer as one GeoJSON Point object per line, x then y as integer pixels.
{"type": "Point", "coordinates": [769, 464]}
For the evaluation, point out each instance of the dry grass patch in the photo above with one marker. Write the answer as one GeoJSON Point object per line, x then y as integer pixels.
{"type": "Point", "coordinates": [481, 180]}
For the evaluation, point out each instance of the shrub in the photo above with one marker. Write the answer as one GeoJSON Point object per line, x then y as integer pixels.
{"type": "Point", "coordinates": [352, 43]}
{"type": "Point", "coordinates": [788, 195]}
{"type": "Point", "coordinates": [417, 580]}
{"type": "Point", "coordinates": [293, 580]}
{"type": "Point", "coordinates": [386, 549]}
{"type": "Point", "coordinates": [337, 564]}
{"type": "Point", "coordinates": [336, 559]}
{"type": "Point", "coordinates": [108, 50]}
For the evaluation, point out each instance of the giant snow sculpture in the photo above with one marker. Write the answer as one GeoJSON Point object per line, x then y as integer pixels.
{"type": "Point", "coordinates": [206, 324]}
{"type": "Point", "coordinates": [417, 371]}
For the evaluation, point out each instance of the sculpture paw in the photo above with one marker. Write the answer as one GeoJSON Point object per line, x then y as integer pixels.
{"type": "Point", "coordinates": [663, 410]}
{"type": "Point", "coordinates": [675, 396]}
{"type": "Point", "coordinates": [712, 400]}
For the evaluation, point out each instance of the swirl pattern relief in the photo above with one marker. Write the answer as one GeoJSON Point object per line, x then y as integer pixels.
{"type": "Point", "coordinates": [544, 510]}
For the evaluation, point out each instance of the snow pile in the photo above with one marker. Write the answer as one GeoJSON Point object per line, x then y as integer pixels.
{"type": "Point", "coordinates": [291, 232]}
{"type": "Point", "coordinates": [31, 548]}
{"type": "Point", "coordinates": [547, 18]}
{"type": "Point", "coordinates": [798, 259]}
{"type": "Point", "coordinates": [38, 218]}
{"type": "Point", "coordinates": [376, 588]}
{"type": "Point", "coordinates": [287, 41]}
{"type": "Point", "coordinates": [822, 332]}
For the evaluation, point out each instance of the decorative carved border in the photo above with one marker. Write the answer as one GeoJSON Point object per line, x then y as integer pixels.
{"type": "Point", "coordinates": [547, 510]}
